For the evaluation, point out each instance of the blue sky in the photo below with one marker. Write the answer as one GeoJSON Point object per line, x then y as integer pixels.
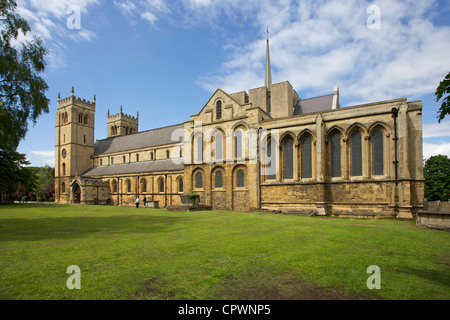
{"type": "Point", "coordinates": [166, 58]}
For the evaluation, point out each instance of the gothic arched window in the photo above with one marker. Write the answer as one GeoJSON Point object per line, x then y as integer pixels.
{"type": "Point", "coordinates": [288, 155]}
{"type": "Point", "coordinates": [218, 181]}
{"type": "Point", "coordinates": [219, 146]}
{"type": "Point", "coordinates": [378, 154]}
{"type": "Point", "coordinates": [271, 160]}
{"type": "Point", "coordinates": [238, 144]}
{"type": "Point", "coordinates": [198, 180]}
{"type": "Point", "coordinates": [240, 179]}
{"type": "Point", "coordinates": [200, 149]}
{"type": "Point", "coordinates": [335, 155]}
{"type": "Point", "coordinates": [219, 110]}
{"type": "Point", "coordinates": [356, 154]}
{"type": "Point", "coordinates": [306, 157]}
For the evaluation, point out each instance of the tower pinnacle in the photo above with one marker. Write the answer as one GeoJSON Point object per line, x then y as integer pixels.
{"type": "Point", "coordinates": [268, 69]}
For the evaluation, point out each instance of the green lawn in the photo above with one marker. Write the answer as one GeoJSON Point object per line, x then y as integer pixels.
{"type": "Point", "coordinates": [129, 253]}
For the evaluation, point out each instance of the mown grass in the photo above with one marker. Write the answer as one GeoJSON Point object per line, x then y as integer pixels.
{"type": "Point", "coordinates": [129, 253]}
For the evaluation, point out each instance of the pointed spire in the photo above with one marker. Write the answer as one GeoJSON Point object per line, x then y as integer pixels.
{"type": "Point", "coordinates": [108, 112]}
{"type": "Point", "coordinates": [59, 96]}
{"type": "Point", "coordinates": [121, 109]}
{"type": "Point", "coordinates": [73, 91]}
{"type": "Point", "coordinates": [95, 98]}
{"type": "Point", "coordinates": [268, 68]}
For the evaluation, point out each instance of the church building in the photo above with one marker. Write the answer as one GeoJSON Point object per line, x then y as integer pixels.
{"type": "Point", "coordinates": [265, 148]}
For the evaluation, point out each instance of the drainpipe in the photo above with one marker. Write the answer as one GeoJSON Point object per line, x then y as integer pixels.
{"type": "Point", "coordinates": [395, 115]}
{"type": "Point", "coordinates": [165, 191]}
{"type": "Point", "coordinates": [137, 187]}
{"type": "Point", "coordinates": [259, 165]}
{"type": "Point", "coordinates": [118, 186]}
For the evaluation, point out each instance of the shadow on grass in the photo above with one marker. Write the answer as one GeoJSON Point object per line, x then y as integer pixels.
{"type": "Point", "coordinates": [33, 229]}
{"type": "Point", "coordinates": [440, 277]}
{"type": "Point", "coordinates": [283, 286]}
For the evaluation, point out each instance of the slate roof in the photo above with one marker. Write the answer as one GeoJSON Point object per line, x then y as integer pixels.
{"type": "Point", "coordinates": [314, 105]}
{"type": "Point", "coordinates": [135, 167]}
{"type": "Point", "coordinates": [145, 139]}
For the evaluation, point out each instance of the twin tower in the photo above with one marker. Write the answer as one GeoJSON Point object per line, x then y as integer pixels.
{"type": "Point", "coordinates": [74, 145]}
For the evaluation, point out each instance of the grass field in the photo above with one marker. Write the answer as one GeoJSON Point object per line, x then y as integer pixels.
{"type": "Point", "coordinates": [129, 253]}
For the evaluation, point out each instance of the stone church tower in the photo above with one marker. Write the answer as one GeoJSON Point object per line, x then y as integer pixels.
{"type": "Point", "coordinates": [122, 124]}
{"type": "Point", "coordinates": [74, 147]}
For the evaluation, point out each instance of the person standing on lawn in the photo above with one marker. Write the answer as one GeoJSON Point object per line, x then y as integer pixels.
{"type": "Point", "coordinates": [137, 202]}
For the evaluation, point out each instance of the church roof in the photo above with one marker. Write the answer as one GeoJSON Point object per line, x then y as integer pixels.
{"type": "Point", "coordinates": [314, 105]}
{"type": "Point", "coordinates": [140, 140]}
{"type": "Point", "coordinates": [135, 167]}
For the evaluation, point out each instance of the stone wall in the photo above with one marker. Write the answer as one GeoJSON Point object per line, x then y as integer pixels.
{"type": "Point", "coordinates": [435, 215]}
{"type": "Point", "coordinates": [240, 200]}
{"type": "Point", "coordinates": [219, 200]}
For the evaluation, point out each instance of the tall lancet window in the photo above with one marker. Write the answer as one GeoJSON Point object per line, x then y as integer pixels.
{"type": "Point", "coordinates": [336, 155]}
{"type": "Point", "coordinates": [356, 154]}
{"type": "Point", "coordinates": [271, 160]}
{"type": "Point", "coordinates": [219, 147]}
{"type": "Point", "coordinates": [288, 155]}
{"type": "Point", "coordinates": [378, 155]}
{"type": "Point", "coordinates": [238, 144]}
{"type": "Point", "coordinates": [306, 158]}
{"type": "Point", "coordinates": [219, 109]}
{"type": "Point", "coordinates": [200, 149]}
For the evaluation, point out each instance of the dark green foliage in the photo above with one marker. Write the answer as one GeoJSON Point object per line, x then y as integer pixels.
{"type": "Point", "coordinates": [194, 198]}
{"type": "Point", "coordinates": [11, 163]}
{"type": "Point", "coordinates": [36, 183]}
{"type": "Point", "coordinates": [444, 88]}
{"type": "Point", "coordinates": [45, 185]}
{"type": "Point", "coordinates": [22, 91]}
{"type": "Point", "coordinates": [437, 178]}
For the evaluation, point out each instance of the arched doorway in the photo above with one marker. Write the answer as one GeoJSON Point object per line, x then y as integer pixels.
{"type": "Point", "coordinates": [76, 193]}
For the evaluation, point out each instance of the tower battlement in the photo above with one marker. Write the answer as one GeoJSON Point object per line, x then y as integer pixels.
{"type": "Point", "coordinates": [73, 100]}
{"type": "Point", "coordinates": [122, 124]}
{"type": "Point", "coordinates": [121, 115]}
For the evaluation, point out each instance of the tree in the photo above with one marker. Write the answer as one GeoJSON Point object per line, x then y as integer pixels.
{"type": "Point", "coordinates": [22, 91]}
{"type": "Point", "coordinates": [45, 182]}
{"type": "Point", "coordinates": [437, 178]}
{"type": "Point", "coordinates": [442, 89]}
{"type": "Point", "coordinates": [11, 165]}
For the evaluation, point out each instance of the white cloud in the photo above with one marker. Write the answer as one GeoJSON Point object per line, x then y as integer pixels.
{"type": "Point", "coordinates": [82, 35]}
{"type": "Point", "coordinates": [433, 149]}
{"type": "Point", "coordinates": [147, 10]}
{"type": "Point", "coordinates": [43, 156]}
{"type": "Point", "coordinates": [150, 17]}
{"type": "Point", "coordinates": [48, 20]}
{"type": "Point", "coordinates": [127, 7]}
{"type": "Point", "coordinates": [436, 130]}
{"type": "Point", "coordinates": [317, 45]}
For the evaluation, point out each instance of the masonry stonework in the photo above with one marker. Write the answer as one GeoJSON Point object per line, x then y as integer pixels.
{"type": "Point", "coordinates": [268, 149]}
